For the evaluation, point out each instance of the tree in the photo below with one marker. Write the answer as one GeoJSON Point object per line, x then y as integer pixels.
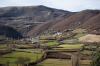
{"type": "Point", "coordinates": [96, 60]}
{"type": "Point", "coordinates": [1, 52]}
{"type": "Point", "coordinates": [7, 63]}
{"type": "Point", "coordinates": [26, 59]}
{"type": "Point", "coordinates": [21, 61]}
{"type": "Point", "coordinates": [16, 62]}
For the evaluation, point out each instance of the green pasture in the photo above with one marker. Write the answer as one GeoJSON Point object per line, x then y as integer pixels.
{"type": "Point", "coordinates": [71, 46]}
{"type": "Point", "coordinates": [12, 57]}
{"type": "Point", "coordinates": [84, 62]}
{"type": "Point", "coordinates": [88, 52]}
{"type": "Point", "coordinates": [3, 46]}
{"type": "Point", "coordinates": [23, 46]}
{"type": "Point", "coordinates": [79, 35]}
{"type": "Point", "coordinates": [61, 62]}
{"type": "Point", "coordinates": [51, 43]}
{"type": "Point", "coordinates": [55, 62]}
{"type": "Point", "coordinates": [28, 50]}
{"type": "Point", "coordinates": [70, 41]}
{"type": "Point", "coordinates": [79, 30]}
{"type": "Point", "coordinates": [90, 46]}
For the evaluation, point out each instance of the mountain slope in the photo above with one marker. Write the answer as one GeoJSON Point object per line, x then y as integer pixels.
{"type": "Point", "coordinates": [92, 23]}
{"type": "Point", "coordinates": [76, 20]}
{"type": "Point", "coordinates": [72, 22]}
{"type": "Point", "coordinates": [30, 15]}
{"type": "Point", "coordinates": [9, 32]}
{"type": "Point", "coordinates": [40, 29]}
{"type": "Point", "coordinates": [26, 18]}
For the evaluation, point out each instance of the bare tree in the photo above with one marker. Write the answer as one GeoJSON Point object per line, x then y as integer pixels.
{"type": "Point", "coordinates": [75, 59]}
{"type": "Point", "coordinates": [16, 62]}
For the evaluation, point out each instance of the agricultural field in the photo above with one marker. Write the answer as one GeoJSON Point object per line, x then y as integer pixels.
{"type": "Point", "coordinates": [3, 46]}
{"type": "Point", "coordinates": [61, 62]}
{"type": "Point", "coordinates": [67, 46]}
{"type": "Point", "coordinates": [70, 41]}
{"type": "Point", "coordinates": [55, 62]}
{"type": "Point", "coordinates": [71, 46]}
{"type": "Point", "coordinates": [88, 52]}
{"type": "Point", "coordinates": [79, 35]}
{"type": "Point", "coordinates": [12, 57]}
{"type": "Point", "coordinates": [51, 43]}
{"type": "Point", "coordinates": [79, 30]}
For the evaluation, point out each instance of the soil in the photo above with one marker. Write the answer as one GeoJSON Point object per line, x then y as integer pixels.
{"type": "Point", "coordinates": [90, 38]}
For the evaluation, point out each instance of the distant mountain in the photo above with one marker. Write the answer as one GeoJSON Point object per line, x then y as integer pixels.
{"type": "Point", "coordinates": [9, 32]}
{"type": "Point", "coordinates": [22, 18]}
{"type": "Point", "coordinates": [89, 19]}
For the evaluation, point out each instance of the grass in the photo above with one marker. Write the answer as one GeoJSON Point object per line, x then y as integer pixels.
{"type": "Point", "coordinates": [70, 41]}
{"type": "Point", "coordinates": [51, 43]}
{"type": "Point", "coordinates": [72, 46]}
{"type": "Point", "coordinates": [28, 50]}
{"type": "Point", "coordinates": [58, 62]}
{"type": "Point", "coordinates": [85, 62]}
{"type": "Point", "coordinates": [11, 57]}
{"type": "Point", "coordinates": [80, 35]}
{"type": "Point", "coordinates": [90, 46]}
{"type": "Point", "coordinates": [3, 46]}
{"type": "Point", "coordinates": [87, 51]}
{"type": "Point", "coordinates": [23, 46]}
{"type": "Point", "coordinates": [79, 30]}
{"type": "Point", "coordinates": [55, 62]}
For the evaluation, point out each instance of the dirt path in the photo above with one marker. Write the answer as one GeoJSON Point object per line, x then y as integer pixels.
{"type": "Point", "coordinates": [90, 38]}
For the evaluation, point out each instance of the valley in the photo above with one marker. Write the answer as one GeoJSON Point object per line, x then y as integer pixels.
{"type": "Point", "coordinates": [43, 36]}
{"type": "Point", "coordinates": [40, 49]}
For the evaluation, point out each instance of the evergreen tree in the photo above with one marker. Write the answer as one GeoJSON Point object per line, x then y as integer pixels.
{"type": "Point", "coordinates": [96, 60]}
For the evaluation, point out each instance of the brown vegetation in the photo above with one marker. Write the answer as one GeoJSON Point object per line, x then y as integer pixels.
{"type": "Point", "coordinates": [88, 19]}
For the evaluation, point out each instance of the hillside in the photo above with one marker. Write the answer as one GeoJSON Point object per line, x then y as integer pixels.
{"type": "Point", "coordinates": [81, 19]}
{"type": "Point", "coordinates": [42, 28]}
{"type": "Point", "coordinates": [9, 32]}
{"type": "Point", "coordinates": [29, 16]}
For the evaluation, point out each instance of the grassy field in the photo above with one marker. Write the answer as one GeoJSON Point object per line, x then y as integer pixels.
{"type": "Point", "coordinates": [85, 62]}
{"type": "Point", "coordinates": [80, 35]}
{"type": "Point", "coordinates": [64, 62]}
{"type": "Point", "coordinates": [79, 30]}
{"type": "Point", "coordinates": [70, 41]}
{"type": "Point", "coordinates": [72, 46]}
{"type": "Point", "coordinates": [51, 43]}
{"type": "Point", "coordinates": [55, 62]}
{"type": "Point", "coordinates": [23, 46]}
{"type": "Point", "coordinates": [11, 57]}
{"type": "Point", "coordinates": [28, 50]}
{"type": "Point", "coordinates": [88, 52]}
{"type": "Point", "coordinates": [3, 46]}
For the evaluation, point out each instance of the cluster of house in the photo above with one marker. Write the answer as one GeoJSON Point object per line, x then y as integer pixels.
{"type": "Point", "coordinates": [57, 34]}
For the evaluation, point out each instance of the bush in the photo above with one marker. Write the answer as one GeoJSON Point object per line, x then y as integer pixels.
{"type": "Point", "coordinates": [96, 60]}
